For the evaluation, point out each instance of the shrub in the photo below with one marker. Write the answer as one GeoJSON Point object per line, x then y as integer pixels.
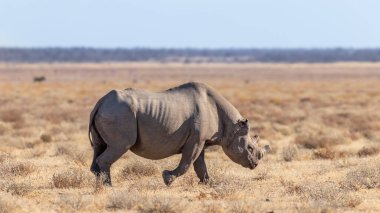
{"type": "Point", "coordinates": [12, 116]}
{"type": "Point", "coordinates": [139, 169]}
{"type": "Point", "coordinates": [69, 179]}
{"type": "Point", "coordinates": [320, 139]}
{"type": "Point", "coordinates": [367, 176]}
{"type": "Point", "coordinates": [327, 193]}
{"type": "Point", "coordinates": [8, 168]}
{"type": "Point", "coordinates": [77, 156]}
{"type": "Point", "coordinates": [368, 151]}
{"type": "Point", "coordinates": [20, 189]}
{"type": "Point", "coordinates": [72, 203]}
{"type": "Point", "coordinates": [46, 138]}
{"type": "Point", "coordinates": [118, 200]}
{"type": "Point", "coordinates": [329, 153]}
{"type": "Point", "coordinates": [289, 152]}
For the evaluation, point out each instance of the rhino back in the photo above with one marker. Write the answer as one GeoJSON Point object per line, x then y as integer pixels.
{"type": "Point", "coordinates": [165, 120]}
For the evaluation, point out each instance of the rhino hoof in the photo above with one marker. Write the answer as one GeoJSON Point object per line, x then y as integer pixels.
{"type": "Point", "coordinates": [168, 178]}
{"type": "Point", "coordinates": [204, 182]}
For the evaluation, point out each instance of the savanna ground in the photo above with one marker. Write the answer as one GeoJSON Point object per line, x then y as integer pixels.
{"type": "Point", "coordinates": [322, 121]}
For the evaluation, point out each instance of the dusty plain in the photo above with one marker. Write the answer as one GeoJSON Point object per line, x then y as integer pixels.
{"type": "Point", "coordinates": [321, 120]}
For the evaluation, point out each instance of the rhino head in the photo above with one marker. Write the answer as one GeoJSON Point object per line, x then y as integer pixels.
{"type": "Point", "coordinates": [243, 149]}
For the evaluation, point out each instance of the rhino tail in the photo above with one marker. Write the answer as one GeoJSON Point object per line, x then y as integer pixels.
{"type": "Point", "coordinates": [93, 133]}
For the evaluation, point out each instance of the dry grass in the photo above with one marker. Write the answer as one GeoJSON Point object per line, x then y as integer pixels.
{"type": "Point", "coordinates": [10, 168]}
{"type": "Point", "coordinates": [20, 189]}
{"type": "Point", "coordinates": [74, 178]}
{"type": "Point", "coordinates": [321, 121]}
{"type": "Point", "coordinates": [138, 169]}
{"type": "Point", "coordinates": [366, 176]}
{"type": "Point", "coordinates": [368, 151]}
{"type": "Point", "coordinates": [320, 137]}
{"type": "Point", "coordinates": [329, 153]}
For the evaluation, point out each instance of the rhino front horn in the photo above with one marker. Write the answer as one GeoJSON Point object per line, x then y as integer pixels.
{"type": "Point", "coordinates": [266, 149]}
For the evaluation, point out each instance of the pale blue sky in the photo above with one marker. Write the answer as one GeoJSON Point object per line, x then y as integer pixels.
{"type": "Point", "coordinates": [192, 23]}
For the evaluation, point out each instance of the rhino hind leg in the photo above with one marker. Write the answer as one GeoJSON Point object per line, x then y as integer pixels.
{"type": "Point", "coordinates": [201, 169]}
{"type": "Point", "coordinates": [105, 161]}
{"type": "Point", "coordinates": [98, 150]}
{"type": "Point", "coordinates": [119, 135]}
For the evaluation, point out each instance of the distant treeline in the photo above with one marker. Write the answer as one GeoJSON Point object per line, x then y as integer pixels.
{"type": "Point", "coordinates": [35, 55]}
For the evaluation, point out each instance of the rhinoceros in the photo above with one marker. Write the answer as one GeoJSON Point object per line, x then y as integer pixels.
{"type": "Point", "coordinates": [155, 125]}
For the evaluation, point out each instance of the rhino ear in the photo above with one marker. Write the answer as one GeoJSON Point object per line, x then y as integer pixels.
{"type": "Point", "coordinates": [242, 126]}
{"type": "Point", "coordinates": [243, 122]}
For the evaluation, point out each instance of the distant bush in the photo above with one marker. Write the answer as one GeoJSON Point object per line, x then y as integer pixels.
{"type": "Point", "coordinates": [329, 153]}
{"type": "Point", "coordinates": [20, 189]}
{"type": "Point", "coordinates": [289, 152]}
{"type": "Point", "coordinates": [368, 151]}
{"type": "Point", "coordinates": [314, 137]}
{"type": "Point", "coordinates": [46, 138]}
{"type": "Point", "coordinates": [13, 116]}
{"type": "Point", "coordinates": [187, 55]}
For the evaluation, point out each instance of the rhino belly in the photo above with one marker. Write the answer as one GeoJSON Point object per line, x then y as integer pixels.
{"type": "Point", "coordinates": [156, 141]}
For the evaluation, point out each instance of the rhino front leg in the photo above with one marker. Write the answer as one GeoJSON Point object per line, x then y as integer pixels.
{"type": "Point", "coordinates": [190, 153]}
{"type": "Point", "coordinates": [201, 169]}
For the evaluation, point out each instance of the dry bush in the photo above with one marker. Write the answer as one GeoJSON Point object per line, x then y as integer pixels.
{"type": "Point", "coordinates": [162, 205]}
{"type": "Point", "coordinates": [319, 138]}
{"type": "Point", "coordinates": [72, 203]}
{"type": "Point", "coordinates": [366, 176]}
{"type": "Point", "coordinates": [74, 178]}
{"type": "Point", "coordinates": [325, 193]}
{"type": "Point", "coordinates": [8, 168]}
{"type": "Point", "coordinates": [59, 115]}
{"type": "Point", "coordinates": [330, 193]}
{"type": "Point", "coordinates": [290, 186]}
{"type": "Point", "coordinates": [139, 169]}
{"type": "Point", "coordinates": [119, 200]}
{"type": "Point", "coordinates": [367, 124]}
{"type": "Point", "coordinates": [262, 173]}
{"type": "Point", "coordinates": [20, 189]}
{"type": "Point", "coordinates": [12, 116]}
{"type": "Point", "coordinates": [290, 152]}
{"type": "Point", "coordinates": [226, 185]}
{"type": "Point", "coordinates": [368, 151]}
{"type": "Point", "coordinates": [46, 138]}
{"type": "Point", "coordinates": [132, 200]}
{"type": "Point", "coordinates": [78, 156]}
{"type": "Point", "coordinates": [329, 154]}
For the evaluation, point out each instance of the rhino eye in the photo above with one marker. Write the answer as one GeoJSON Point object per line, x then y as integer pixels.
{"type": "Point", "coordinates": [250, 149]}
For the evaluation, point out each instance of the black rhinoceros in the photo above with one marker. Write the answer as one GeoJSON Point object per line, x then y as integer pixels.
{"type": "Point", "coordinates": [156, 125]}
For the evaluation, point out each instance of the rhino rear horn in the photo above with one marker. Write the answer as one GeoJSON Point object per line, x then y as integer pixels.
{"type": "Point", "coordinates": [256, 138]}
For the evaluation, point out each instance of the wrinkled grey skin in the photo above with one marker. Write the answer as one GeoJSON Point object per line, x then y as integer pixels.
{"type": "Point", "coordinates": [156, 125]}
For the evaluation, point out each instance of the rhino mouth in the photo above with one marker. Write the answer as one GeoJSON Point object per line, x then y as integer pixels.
{"type": "Point", "coordinates": [252, 164]}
